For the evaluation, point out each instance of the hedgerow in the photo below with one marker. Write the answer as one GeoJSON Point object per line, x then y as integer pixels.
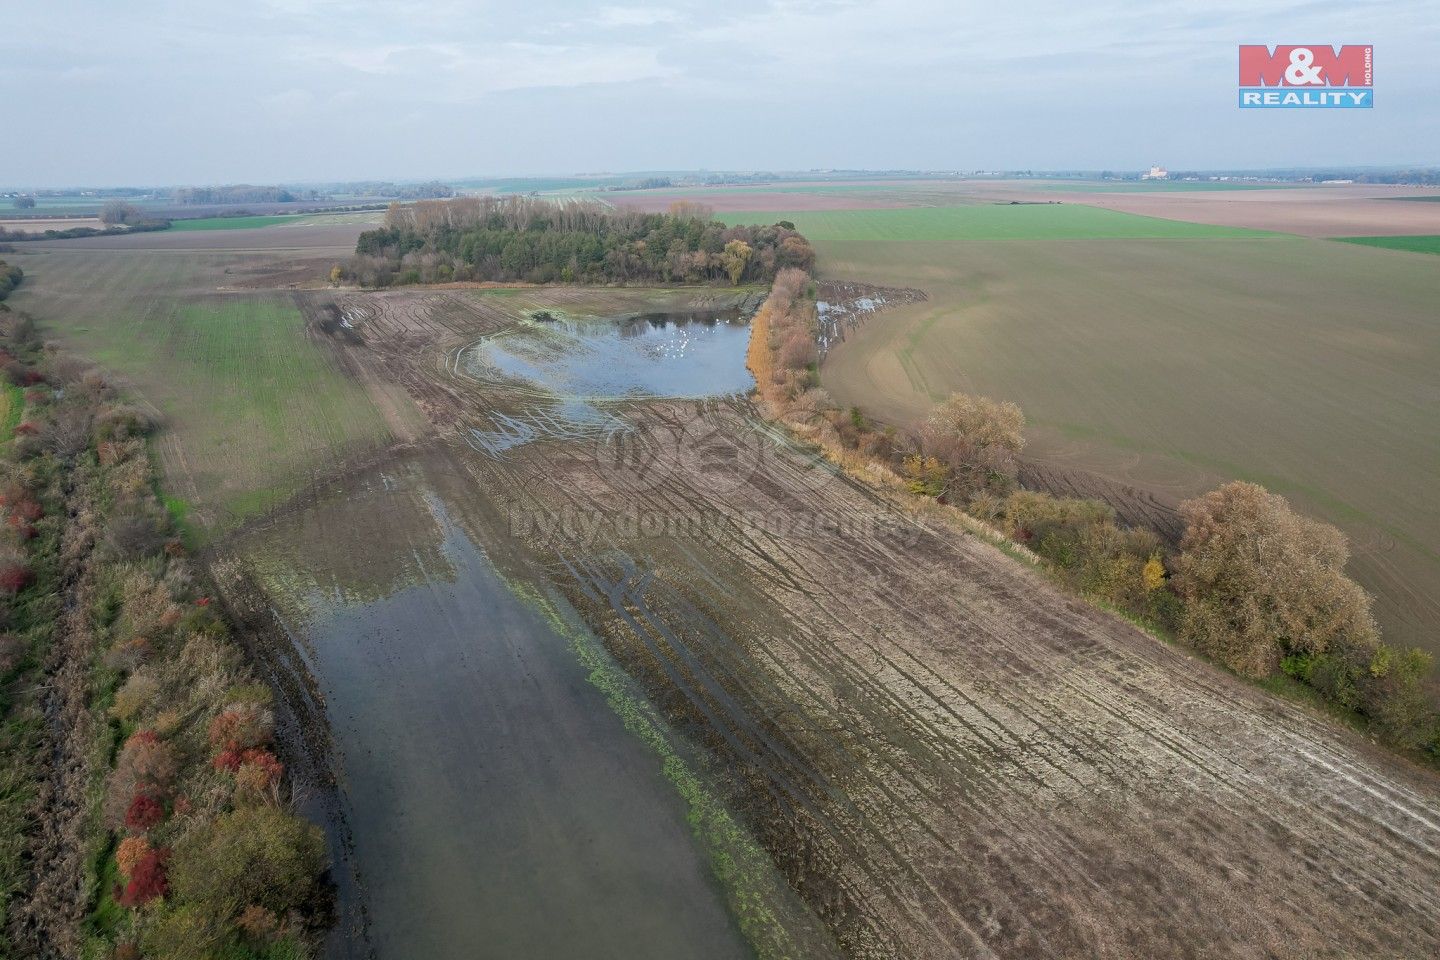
{"type": "Point", "coordinates": [164, 764]}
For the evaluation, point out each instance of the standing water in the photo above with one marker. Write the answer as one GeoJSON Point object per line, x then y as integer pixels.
{"type": "Point", "coordinates": [675, 354]}
{"type": "Point", "coordinates": [499, 807]}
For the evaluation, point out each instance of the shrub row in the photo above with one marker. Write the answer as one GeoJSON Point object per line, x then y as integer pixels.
{"type": "Point", "coordinates": [198, 852]}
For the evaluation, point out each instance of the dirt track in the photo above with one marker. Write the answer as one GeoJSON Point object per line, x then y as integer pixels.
{"type": "Point", "coordinates": [946, 756]}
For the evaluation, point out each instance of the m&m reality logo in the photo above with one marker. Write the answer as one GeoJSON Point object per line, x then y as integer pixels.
{"type": "Point", "coordinates": [1312, 75]}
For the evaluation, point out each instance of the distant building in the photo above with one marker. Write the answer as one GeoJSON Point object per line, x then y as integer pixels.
{"type": "Point", "coordinates": [1156, 173]}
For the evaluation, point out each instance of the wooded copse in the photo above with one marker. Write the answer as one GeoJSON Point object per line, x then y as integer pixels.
{"type": "Point", "coordinates": [538, 241]}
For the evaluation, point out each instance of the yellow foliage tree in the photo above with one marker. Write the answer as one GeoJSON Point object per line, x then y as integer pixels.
{"type": "Point", "coordinates": [926, 476]}
{"type": "Point", "coordinates": [736, 258]}
{"type": "Point", "coordinates": [1153, 576]}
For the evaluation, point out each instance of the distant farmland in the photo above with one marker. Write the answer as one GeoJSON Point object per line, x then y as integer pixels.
{"type": "Point", "coordinates": [1171, 358]}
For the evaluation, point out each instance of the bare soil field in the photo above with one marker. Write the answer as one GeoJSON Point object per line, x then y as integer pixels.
{"type": "Point", "coordinates": [53, 223]}
{"type": "Point", "coordinates": [1356, 210]}
{"type": "Point", "coordinates": [1340, 210]}
{"type": "Point", "coordinates": [333, 236]}
{"type": "Point", "coordinates": [944, 755]}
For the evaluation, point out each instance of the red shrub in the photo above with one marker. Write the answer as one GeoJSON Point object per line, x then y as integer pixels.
{"type": "Point", "coordinates": [28, 509]}
{"type": "Point", "coordinates": [203, 602]}
{"type": "Point", "coordinates": [27, 429]}
{"type": "Point", "coordinates": [259, 771]}
{"type": "Point", "coordinates": [146, 765]}
{"type": "Point", "coordinates": [265, 769]}
{"type": "Point", "coordinates": [31, 378]}
{"type": "Point", "coordinates": [147, 882]}
{"type": "Point", "coordinates": [242, 726]}
{"type": "Point", "coordinates": [228, 760]}
{"type": "Point", "coordinates": [15, 577]}
{"type": "Point", "coordinates": [145, 812]}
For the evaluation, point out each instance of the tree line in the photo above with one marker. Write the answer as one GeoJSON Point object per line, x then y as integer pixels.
{"type": "Point", "coordinates": [1252, 584]}
{"type": "Point", "coordinates": [116, 215]}
{"type": "Point", "coordinates": [526, 239]}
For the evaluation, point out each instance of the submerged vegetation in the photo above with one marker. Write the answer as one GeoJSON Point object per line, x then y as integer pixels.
{"type": "Point", "coordinates": [517, 238]}
{"type": "Point", "coordinates": [150, 817]}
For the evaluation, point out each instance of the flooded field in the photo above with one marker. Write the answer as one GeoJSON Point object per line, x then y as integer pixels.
{"type": "Point", "coordinates": [671, 685]}
{"type": "Point", "coordinates": [499, 806]}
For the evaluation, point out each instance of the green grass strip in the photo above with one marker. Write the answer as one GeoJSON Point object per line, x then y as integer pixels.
{"type": "Point", "coordinates": [13, 400]}
{"type": "Point", "coordinates": [1421, 244]}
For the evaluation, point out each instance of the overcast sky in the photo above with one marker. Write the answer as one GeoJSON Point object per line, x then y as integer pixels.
{"type": "Point", "coordinates": [202, 91]}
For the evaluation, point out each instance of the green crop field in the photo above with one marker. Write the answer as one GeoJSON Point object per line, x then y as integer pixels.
{"type": "Point", "coordinates": [1171, 357]}
{"type": "Point", "coordinates": [1411, 244]}
{"type": "Point", "coordinates": [1020, 221]}
{"type": "Point", "coordinates": [234, 223]}
{"type": "Point", "coordinates": [252, 407]}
